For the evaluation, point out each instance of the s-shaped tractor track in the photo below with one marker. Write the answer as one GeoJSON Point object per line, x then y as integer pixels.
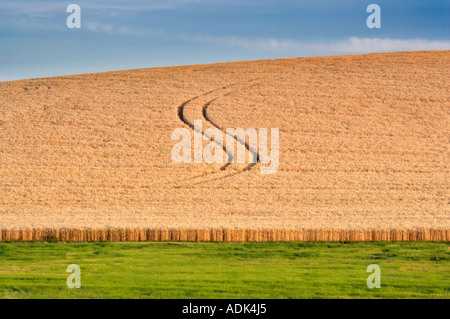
{"type": "Point", "coordinates": [204, 115]}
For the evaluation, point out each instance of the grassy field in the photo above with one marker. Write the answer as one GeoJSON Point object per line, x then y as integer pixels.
{"type": "Point", "coordinates": [225, 270]}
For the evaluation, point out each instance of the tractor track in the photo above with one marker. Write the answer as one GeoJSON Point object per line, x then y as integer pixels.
{"type": "Point", "coordinates": [230, 157]}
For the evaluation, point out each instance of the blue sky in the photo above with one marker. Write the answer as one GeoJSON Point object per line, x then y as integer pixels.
{"type": "Point", "coordinates": [121, 34]}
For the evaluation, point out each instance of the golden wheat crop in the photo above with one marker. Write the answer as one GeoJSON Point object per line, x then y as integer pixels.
{"type": "Point", "coordinates": [363, 152]}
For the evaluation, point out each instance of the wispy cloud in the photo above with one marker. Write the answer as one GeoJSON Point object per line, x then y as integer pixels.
{"type": "Point", "coordinates": [351, 45]}
{"type": "Point", "coordinates": [362, 45]}
{"type": "Point", "coordinates": [46, 8]}
{"type": "Point", "coordinates": [250, 44]}
{"type": "Point", "coordinates": [36, 10]}
{"type": "Point", "coordinates": [122, 30]}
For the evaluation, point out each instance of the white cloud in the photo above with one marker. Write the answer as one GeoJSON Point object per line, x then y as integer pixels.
{"type": "Point", "coordinates": [34, 8]}
{"type": "Point", "coordinates": [99, 27]}
{"type": "Point", "coordinates": [122, 30]}
{"type": "Point", "coordinates": [362, 45]}
{"type": "Point", "coordinates": [351, 45]}
{"type": "Point", "coordinates": [255, 44]}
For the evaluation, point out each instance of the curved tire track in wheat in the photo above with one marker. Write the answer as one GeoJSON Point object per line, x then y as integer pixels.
{"type": "Point", "coordinates": [191, 125]}
{"type": "Point", "coordinates": [254, 153]}
{"type": "Point", "coordinates": [230, 157]}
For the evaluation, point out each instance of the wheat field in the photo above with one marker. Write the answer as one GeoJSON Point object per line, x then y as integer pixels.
{"type": "Point", "coordinates": [364, 152]}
